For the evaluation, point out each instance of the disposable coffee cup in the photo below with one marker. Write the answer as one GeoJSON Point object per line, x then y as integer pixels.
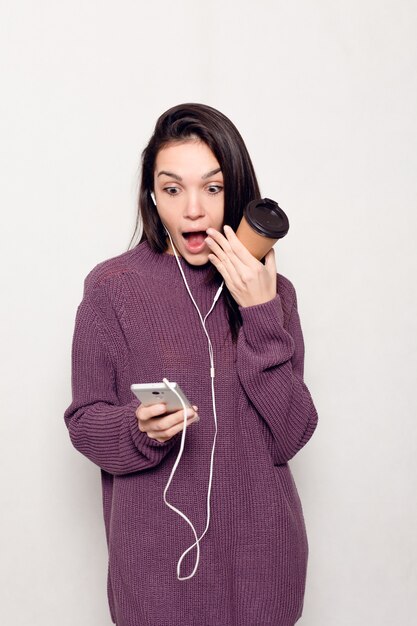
{"type": "Point", "coordinates": [262, 224]}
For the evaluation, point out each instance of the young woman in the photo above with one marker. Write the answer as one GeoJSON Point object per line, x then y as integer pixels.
{"type": "Point", "coordinates": [241, 367]}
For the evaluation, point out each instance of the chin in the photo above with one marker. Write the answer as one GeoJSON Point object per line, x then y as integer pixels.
{"type": "Point", "coordinates": [195, 259]}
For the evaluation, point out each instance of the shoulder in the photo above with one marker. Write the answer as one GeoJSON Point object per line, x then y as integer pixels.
{"type": "Point", "coordinates": [104, 286]}
{"type": "Point", "coordinates": [111, 270]}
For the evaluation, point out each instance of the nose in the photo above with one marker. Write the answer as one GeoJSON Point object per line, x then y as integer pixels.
{"type": "Point", "coordinates": [193, 207]}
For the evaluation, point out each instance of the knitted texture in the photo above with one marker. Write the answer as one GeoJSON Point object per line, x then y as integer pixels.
{"type": "Point", "coordinates": [136, 323]}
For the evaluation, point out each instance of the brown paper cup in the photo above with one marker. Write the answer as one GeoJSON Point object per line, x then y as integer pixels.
{"type": "Point", "coordinates": [257, 244]}
{"type": "Point", "coordinates": [262, 224]}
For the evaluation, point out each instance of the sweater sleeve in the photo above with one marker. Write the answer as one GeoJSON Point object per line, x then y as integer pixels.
{"type": "Point", "coordinates": [100, 427]}
{"type": "Point", "coordinates": [270, 363]}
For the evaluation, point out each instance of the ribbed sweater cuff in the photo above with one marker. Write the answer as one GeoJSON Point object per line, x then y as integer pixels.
{"type": "Point", "coordinates": [272, 307]}
{"type": "Point", "coordinates": [263, 325]}
{"type": "Point", "coordinates": [141, 439]}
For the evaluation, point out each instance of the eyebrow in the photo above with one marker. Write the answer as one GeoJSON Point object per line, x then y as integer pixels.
{"type": "Point", "coordinates": [172, 175]}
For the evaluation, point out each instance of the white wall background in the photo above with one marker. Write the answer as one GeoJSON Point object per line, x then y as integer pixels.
{"type": "Point", "coordinates": [325, 95]}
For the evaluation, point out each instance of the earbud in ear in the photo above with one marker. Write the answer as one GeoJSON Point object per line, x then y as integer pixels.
{"type": "Point", "coordinates": [153, 198]}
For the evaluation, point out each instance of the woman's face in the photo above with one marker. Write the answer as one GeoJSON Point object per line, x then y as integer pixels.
{"type": "Point", "coordinates": [188, 187]}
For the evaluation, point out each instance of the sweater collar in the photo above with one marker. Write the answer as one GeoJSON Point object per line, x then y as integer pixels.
{"type": "Point", "coordinates": [166, 264]}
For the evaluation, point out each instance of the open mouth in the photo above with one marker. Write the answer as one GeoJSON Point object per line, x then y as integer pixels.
{"type": "Point", "coordinates": [195, 240]}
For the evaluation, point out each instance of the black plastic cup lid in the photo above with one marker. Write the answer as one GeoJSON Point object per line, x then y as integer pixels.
{"type": "Point", "coordinates": [267, 218]}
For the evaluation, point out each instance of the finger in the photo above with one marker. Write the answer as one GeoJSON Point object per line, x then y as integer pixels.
{"type": "Point", "coordinates": [170, 432]}
{"type": "Point", "coordinates": [271, 268]}
{"type": "Point", "coordinates": [161, 424]}
{"type": "Point", "coordinates": [270, 262]}
{"type": "Point", "coordinates": [151, 410]}
{"type": "Point", "coordinates": [147, 411]}
{"type": "Point", "coordinates": [179, 413]}
{"type": "Point", "coordinates": [223, 257]}
{"type": "Point", "coordinates": [238, 248]}
{"type": "Point", "coordinates": [216, 236]}
{"type": "Point", "coordinates": [220, 266]}
{"type": "Point", "coordinates": [220, 247]}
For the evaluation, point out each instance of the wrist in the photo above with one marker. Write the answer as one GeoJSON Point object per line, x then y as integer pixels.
{"type": "Point", "coordinates": [257, 302]}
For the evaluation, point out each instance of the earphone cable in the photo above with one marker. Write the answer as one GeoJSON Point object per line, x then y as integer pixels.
{"type": "Point", "coordinates": [166, 381]}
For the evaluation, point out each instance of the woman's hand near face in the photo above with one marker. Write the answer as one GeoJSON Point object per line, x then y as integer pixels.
{"type": "Point", "coordinates": [248, 280]}
{"type": "Point", "coordinates": [163, 428]}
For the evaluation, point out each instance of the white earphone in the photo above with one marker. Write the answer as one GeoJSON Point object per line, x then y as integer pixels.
{"type": "Point", "coordinates": [168, 384]}
{"type": "Point", "coordinates": [154, 201]}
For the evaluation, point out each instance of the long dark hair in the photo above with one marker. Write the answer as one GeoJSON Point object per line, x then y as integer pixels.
{"type": "Point", "coordinates": [187, 122]}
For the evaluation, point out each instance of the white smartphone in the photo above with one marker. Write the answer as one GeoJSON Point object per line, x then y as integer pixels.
{"type": "Point", "coordinates": [154, 393]}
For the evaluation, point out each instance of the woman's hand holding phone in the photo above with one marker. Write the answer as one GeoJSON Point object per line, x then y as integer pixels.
{"type": "Point", "coordinates": [163, 428]}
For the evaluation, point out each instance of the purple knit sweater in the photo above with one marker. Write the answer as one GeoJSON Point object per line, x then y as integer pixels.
{"type": "Point", "coordinates": [137, 323]}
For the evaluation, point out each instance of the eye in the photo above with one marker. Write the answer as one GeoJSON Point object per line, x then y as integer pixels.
{"type": "Point", "coordinates": [169, 189]}
{"type": "Point", "coordinates": [215, 189]}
